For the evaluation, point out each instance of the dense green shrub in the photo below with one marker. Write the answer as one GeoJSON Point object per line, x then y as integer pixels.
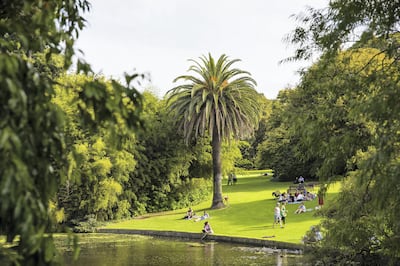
{"type": "Point", "coordinates": [191, 192]}
{"type": "Point", "coordinates": [88, 225]}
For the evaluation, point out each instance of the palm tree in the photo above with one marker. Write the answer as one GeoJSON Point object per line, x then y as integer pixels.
{"type": "Point", "coordinates": [220, 101]}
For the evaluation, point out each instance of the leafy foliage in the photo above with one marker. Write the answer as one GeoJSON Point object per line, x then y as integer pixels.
{"type": "Point", "coordinates": [344, 23]}
{"type": "Point", "coordinates": [220, 102]}
{"type": "Point", "coordinates": [98, 167]}
{"type": "Point", "coordinates": [281, 148]}
{"type": "Point", "coordinates": [32, 143]}
{"type": "Point", "coordinates": [345, 141]}
{"type": "Point", "coordinates": [161, 180]}
{"type": "Point", "coordinates": [363, 225]}
{"type": "Point", "coordinates": [249, 154]}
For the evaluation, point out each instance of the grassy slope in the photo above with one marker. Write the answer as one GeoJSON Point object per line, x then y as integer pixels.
{"type": "Point", "coordinates": [249, 214]}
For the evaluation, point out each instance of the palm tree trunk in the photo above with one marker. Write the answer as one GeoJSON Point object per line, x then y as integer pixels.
{"type": "Point", "coordinates": [216, 142]}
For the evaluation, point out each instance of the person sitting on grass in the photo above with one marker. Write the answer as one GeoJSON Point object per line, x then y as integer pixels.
{"type": "Point", "coordinates": [291, 197]}
{"type": "Point", "coordinates": [276, 194]}
{"type": "Point", "coordinates": [283, 197]}
{"type": "Point", "coordinates": [300, 197]}
{"type": "Point", "coordinates": [301, 208]}
{"type": "Point", "coordinates": [312, 236]}
{"type": "Point", "coordinates": [203, 217]}
{"type": "Point", "coordinates": [207, 230]}
{"type": "Point", "coordinates": [310, 196]}
{"type": "Point", "coordinates": [189, 214]}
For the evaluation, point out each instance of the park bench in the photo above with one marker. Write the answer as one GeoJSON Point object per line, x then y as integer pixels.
{"type": "Point", "coordinates": [311, 185]}
{"type": "Point", "coordinates": [293, 188]}
{"type": "Point", "coordinates": [308, 186]}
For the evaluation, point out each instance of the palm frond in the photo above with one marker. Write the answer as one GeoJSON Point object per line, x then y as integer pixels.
{"type": "Point", "coordinates": [217, 98]}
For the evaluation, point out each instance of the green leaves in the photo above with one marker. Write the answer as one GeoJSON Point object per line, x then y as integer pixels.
{"type": "Point", "coordinates": [33, 151]}
{"type": "Point", "coordinates": [219, 102]}
{"type": "Point", "coordinates": [350, 111]}
{"type": "Point", "coordinates": [221, 99]}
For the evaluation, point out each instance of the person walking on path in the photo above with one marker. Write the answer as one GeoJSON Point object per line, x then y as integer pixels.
{"type": "Point", "coordinates": [277, 215]}
{"type": "Point", "coordinates": [283, 213]}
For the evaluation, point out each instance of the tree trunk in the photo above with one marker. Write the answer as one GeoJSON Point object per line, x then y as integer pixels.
{"type": "Point", "coordinates": [217, 202]}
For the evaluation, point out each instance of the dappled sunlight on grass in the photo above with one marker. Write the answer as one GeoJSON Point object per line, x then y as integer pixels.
{"type": "Point", "coordinates": [249, 213]}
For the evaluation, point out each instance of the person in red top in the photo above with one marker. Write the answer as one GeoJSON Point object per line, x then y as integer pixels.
{"type": "Point", "coordinates": [320, 200]}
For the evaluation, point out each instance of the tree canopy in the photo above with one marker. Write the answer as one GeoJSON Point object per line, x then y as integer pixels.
{"type": "Point", "coordinates": [220, 101]}
{"type": "Point", "coordinates": [32, 141]}
{"type": "Point", "coordinates": [354, 124]}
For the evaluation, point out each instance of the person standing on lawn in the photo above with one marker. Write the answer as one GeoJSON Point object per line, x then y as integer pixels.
{"type": "Point", "coordinates": [283, 213]}
{"type": "Point", "coordinates": [277, 215]}
{"type": "Point", "coordinates": [320, 199]}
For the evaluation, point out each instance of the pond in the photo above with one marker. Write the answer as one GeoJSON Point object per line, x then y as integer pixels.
{"type": "Point", "coordinates": [118, 250]}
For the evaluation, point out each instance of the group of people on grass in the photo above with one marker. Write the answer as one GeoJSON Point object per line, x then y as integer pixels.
{"type": "Point", "coordinates": [298, 196]}
{"type": "Point", "coordinates": [232, 179]}
{"type": "Point", "coordinates": [191, 215]}
{"type": "Point", "coordinates": [280, 211]}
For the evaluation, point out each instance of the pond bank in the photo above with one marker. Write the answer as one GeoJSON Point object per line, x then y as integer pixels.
{"type": "Point", "coordinates": [298, 248]}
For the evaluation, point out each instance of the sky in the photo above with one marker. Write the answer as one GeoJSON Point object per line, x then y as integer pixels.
{"type": "Point", "coordinates": [158, 37]}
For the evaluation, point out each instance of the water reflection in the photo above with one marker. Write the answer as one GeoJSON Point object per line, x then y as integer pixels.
{"type": "Point", "coordinates": [123, 250]}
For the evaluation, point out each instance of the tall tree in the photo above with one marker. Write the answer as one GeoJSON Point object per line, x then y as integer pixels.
{"type": "Point", "coordinates": [96, 164]}
{"type": "Point", "coordinates": [220, 101]}
{"type": "Point", "coordinates": [281, 142]}
{"type": "Point", "coordinates": [32, 143]}
{"type": "Point", "coordinates": [162, 172]}
{"type": "Point", "coordinates": [363, 225]}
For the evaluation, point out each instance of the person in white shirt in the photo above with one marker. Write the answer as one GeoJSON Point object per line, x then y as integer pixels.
{"type": "Point", "coordinates": [300, 197]}
{"type": "Point", "coordinates": [277, 215]}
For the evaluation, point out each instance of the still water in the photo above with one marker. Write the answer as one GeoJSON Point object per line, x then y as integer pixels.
{"type": "Point", "coordinates": [121, 250]}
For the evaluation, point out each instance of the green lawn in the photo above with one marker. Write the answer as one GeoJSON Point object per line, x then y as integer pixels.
{"type": "Point", "coordinates": [249, 214]}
